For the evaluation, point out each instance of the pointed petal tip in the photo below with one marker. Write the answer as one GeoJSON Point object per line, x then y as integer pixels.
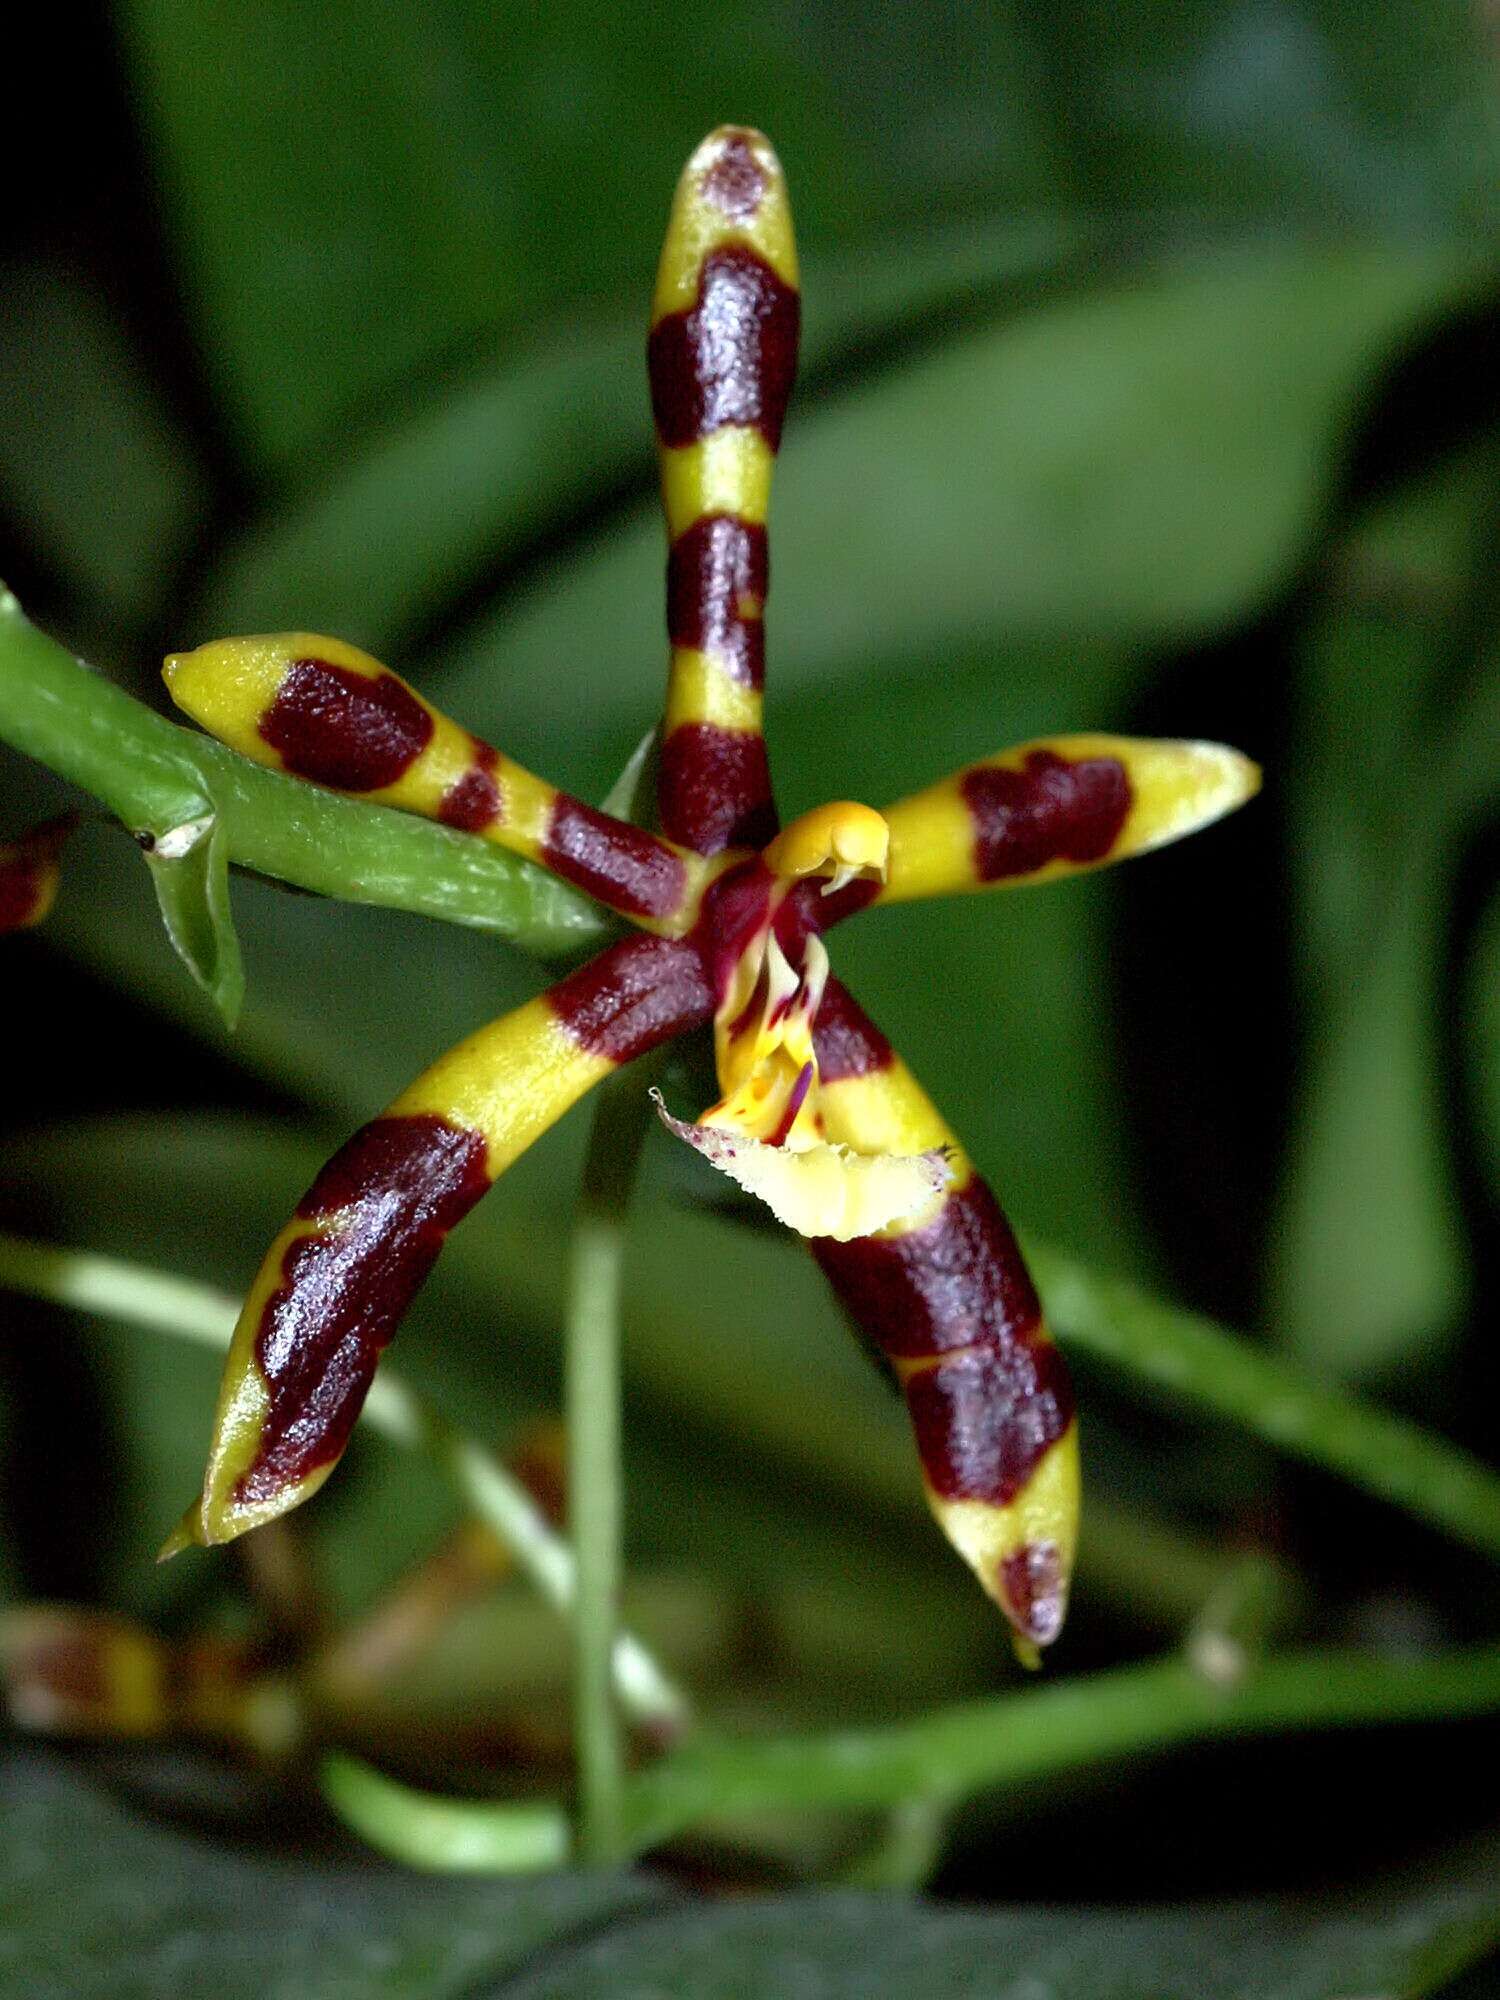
{"type": "Point", "coordinates": [1031, 1588]}
{"type": "Point", "coordinates": [186, 1535]}
{"type": "Point", "coordinates": [736, 143]}
{"type": "Point", "coordinates": [1181, 787]}
{"type": "Point", "coordinates": [732, 181]}
{"type": "Point", "coordinates": [1243, 777]}
{"type": "Point", "coordinates": [1231, 778]}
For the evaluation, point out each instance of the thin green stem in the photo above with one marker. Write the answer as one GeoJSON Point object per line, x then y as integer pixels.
{"type": "Point", "coordinates": [140, 1296]}
{"type": "Point", "coordinates": [1066, 1726]}
{"type": "Point", "coordinates": [591, 1347]}
{"type": "Point", "coordinates": [954, 1753]}
{"type": "Point", "coordinates": [906, 1852]}
{"type": "Point", "coordinates": [1194, 1360]}
{"type": "Point", "coordinates": [155, 775]}
{"type": "Point", "coordinates": [426, 1832]}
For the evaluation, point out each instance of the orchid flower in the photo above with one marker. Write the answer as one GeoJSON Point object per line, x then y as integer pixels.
{"type": "Point", "coordinates": [818, 1116]}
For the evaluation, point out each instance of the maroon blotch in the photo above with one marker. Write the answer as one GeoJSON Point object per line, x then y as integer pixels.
{"type": "Point", "coordinates": [793, 1105]}
{"type": "Point", "coordinates": [344, 729]}
{"type": "Point", "coordinates": [472, 802]}
{"type": "Point", "coordinates": [1033, 1586]}
{"type": "Point", "coordinates": [736, 181]}
{"type": "Point", "coordinates": [807, 912]}
{"type": "Point", "coordinates": [985, 1416]}
{"type": "Point", "coordinates": [731, 358]}
{"type": "Point", "coordinates": [1056, 809]}
{"type": "Point", "coordinates": [734, 908]}
{"type": "Point", "coordinates": [24, 867]}
{"type": "Point", "coordinates": [957, 1280]}
{"type": "Point", "coordinates": [846, 1041]}
{"type": "Point", "coordinates": [386, 1200]}
{"type": "Point", "coordinates": [619, 863]}
{"type": "Point", "coordinates": [713, 788]}
{"type": "Point", "coordinates": [717, 578]}
{"type": "Point", "coordinates": [750, 1014]}
{"type": "Point", "coordinates": [20, 890]}
{"type": "Point", "coordinates": [637, 994]}
{"type": "Point", "coordinates": [70, 1666]}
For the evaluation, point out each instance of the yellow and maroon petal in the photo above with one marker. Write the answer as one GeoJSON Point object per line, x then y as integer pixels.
{"type": "Point", "coordinates": [30, 870]}
{"type": "Point", "coordinates": [721, 357]}
{"type": "Point", "coordinates": [946, 1297]}
{"type": "Point", "coordinates": [71, 1670]}
{"type": "Point", "coordinates": [335, 1283]}
{"type": "Point", "coordinates": [1052, 807]}
{"type": "Point", "coordinates": [327, 712]}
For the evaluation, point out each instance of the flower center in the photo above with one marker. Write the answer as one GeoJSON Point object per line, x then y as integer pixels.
{"type": "Point", "coordinates": [767, 1130]}
{"type": "Point", "coordinates": [763, 1043]}
{"type": "Point", "coordinates": [845, 841]}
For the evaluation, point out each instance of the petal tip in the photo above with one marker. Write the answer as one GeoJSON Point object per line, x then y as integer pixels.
{"type": "Point", "coordinates": [186, 1535]}
{"type": "Point", "coordinates": [1031, 1587]}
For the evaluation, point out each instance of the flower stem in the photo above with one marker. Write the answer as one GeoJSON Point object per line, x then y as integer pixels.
{"type": "Point", "coordinates": [179, 1306]}
{"type": "Point", "coordinates": [1068, 1725]}
{"type": "Point", "coordinates": [1195, 1361]}
{"type": "Point", "coordinates": [591, 1334]}
{"type": "Point", "coordinates": [952, 1754]}
{"type": "Point", "coordinates": [155, 776]}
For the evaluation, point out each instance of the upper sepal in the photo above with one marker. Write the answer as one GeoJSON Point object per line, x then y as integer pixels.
{"type": "Point", "coordinates": [731, 193]}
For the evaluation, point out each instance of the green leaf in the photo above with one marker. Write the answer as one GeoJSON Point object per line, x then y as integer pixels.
{"type": "Point", "coordinates": [91, 456]}
{"type": "Point", "coordinates": [1396, 764]}
{"type": "Point", "coordinates": [1480, 1009]}
{"type": "Point", "coordinates": [1410, 1940]}
{"type": "Point", "coordinates": [360, 197]}
{"type": "Point", "coordinates": [189, 867]}
{"type": "Point", "coordinates": [98, 1904]}
{"type": "Point", "coordinates": [475, 471]}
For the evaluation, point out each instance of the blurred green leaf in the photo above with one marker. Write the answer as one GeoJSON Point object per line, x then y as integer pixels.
{"type": "Point", "coordinates": [97, 1904]}
{"type": "Point", "coordinates": [353, 211]}
{"type": "Point", "coordinates": [1292, 114]}
{"type": "Point", "coordinates": [190, 872]}
{"type": "Point", "coordinates": [462, 477]}
{"type": "Point", "coordinates": [354, 214]}
{"type": "Point", "coordinates": [1479, 1007]}
{"type": "Point", "coordinates": [1412, 1940]}
{"type": "Point", "coordinates": [91, 455]}
{"type": "Point", "coordinates": [1397, 756]}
